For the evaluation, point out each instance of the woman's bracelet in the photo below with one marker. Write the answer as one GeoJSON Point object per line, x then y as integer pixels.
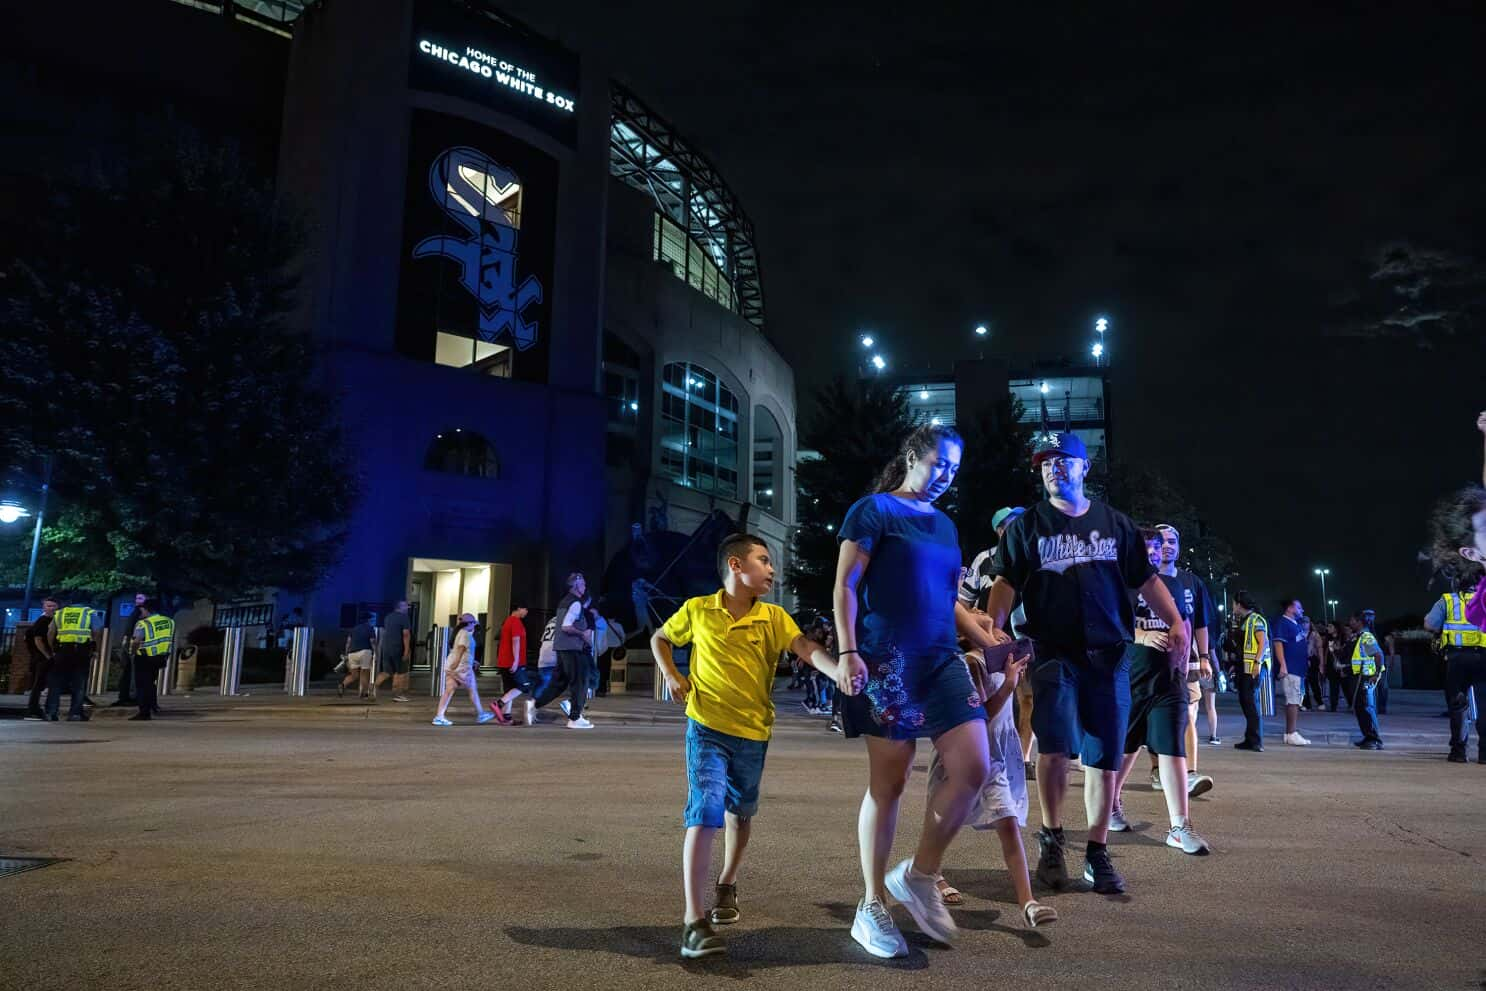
{"type": "Point", "coordinates": [843, 653]}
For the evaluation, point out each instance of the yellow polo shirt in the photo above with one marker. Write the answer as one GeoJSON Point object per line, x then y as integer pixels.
{"type": "Point", "coordinates": [732, 662]}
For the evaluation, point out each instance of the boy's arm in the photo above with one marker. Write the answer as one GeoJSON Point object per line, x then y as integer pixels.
{"type": "Point", "coordinates": [678, 683]}
{"type": "Point", "coordinates": [814, 654]}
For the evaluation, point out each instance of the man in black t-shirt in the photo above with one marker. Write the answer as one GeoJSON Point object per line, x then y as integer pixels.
{"type": "Point", "coordinates": [1158, 707]}
{"type": "Point", "coordinates": [41, 657]}
{"type": "Point", "coordinates": [1073, 560]}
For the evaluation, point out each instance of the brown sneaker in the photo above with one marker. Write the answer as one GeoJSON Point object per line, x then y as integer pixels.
{"type": "Point", "coordinates": [725, 912]}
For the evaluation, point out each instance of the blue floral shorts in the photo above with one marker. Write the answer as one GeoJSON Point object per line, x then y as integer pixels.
{"type": "Point", "coordinates": [909, 696]}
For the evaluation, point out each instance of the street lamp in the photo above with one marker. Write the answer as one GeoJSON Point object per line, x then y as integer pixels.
{"type": "Point", "coordinates": [1333, 603]}
{"type": "Point", "coordinates": [878, 362]}
{"type": "Point", "coordinates": [1098, 351]}
{"type": "Point", "coordinates": [12, 511]}
{"type": "Point", "coordinates": [1043, 388]}
{"type": "Point", "coordinates": [1322, 573]}
{"type": "Point", "coordinates": [982, 330]}
{"type": "Point", "coordinates": [1101, 325]}
{"type": "Point", "coordinates": [867, 341]}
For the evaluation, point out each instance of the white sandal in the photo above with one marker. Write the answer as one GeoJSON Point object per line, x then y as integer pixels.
{"type": "Point", "coordinates": [1038, 914]}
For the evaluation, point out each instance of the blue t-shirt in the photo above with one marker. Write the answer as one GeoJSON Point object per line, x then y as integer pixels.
{"type": "Point", "coordinates": [1288, 632]}
{"type": "Point", "coordinates": [906, 597]}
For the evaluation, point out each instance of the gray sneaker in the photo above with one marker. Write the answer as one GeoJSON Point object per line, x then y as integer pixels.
{"type": "Point", "coordinates": [699, 940]}
{"type": "Point", "coordinates": [1052, 863]}
{"type": "Point", "coordinates": [1198, 784]}
{"type": "Point", "coordinates": [920, 894]}
{"type": "Point", "coordinates": [1185, 839]}
{"type": "Point", "coordinates": [1117, 821]}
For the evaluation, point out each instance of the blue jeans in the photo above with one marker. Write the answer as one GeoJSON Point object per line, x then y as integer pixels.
{"type": "Point", "coordinates": [71, 678]}
{"type": "Point", "coordinates": [1365, 706]}
{"type": "Point", "coordinates": [722, 775]}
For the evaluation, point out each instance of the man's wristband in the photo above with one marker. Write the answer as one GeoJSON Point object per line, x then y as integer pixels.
{"type": "Point", "coordinates": [843, 653]}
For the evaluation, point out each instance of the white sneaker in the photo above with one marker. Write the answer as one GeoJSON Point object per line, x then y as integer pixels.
{"type": "Point", "coordinates": [580, 723]}
{"type": "Point", "coordinates": [876, 931]}
{"type": "Point", "coordinates": [1185, 839]}
{"type": "Point", "coordinates": [1155, 781]}
{"type": "Point", "coordinates": [531, 712]}
{"type": "Point", "coordinates": [441, 721]}
{"type": "Point", "coordinates": [1198, 784]}
{"type": "Point", "coordinates": [401, 698]}
{"type": "Point", "coordinates": [1296, 740]}
{"type": "Point", "coordinates": [566, 707]}
{"type": "Point", "coordinates": [1117, 821]}
{"type": "Point", "coordinates": [920, 895]}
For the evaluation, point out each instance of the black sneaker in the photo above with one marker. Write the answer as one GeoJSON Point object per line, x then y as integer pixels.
{"type": "Point", "coordinates": [698, 940]}
{"type": "Point", "coordinates": [1457, 756]}
{"type": "Point", "coordinates": [36, 714]}
{"type": "Point", "coordinates": [725, 913]}
{"type": "Point", "coordinates": [1099, 871]}
{"type": "Point", "coordinates": [1052, 865]}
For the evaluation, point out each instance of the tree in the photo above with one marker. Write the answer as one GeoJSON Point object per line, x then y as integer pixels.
{"type": "Point", "coordinates": [855, 430]}
{"type": "Point", "coordinates": [145, 350]}
{"type": "Point", "coordinates": [1149, 497]}
{"type": "Point", "coordinates": [995, 471]}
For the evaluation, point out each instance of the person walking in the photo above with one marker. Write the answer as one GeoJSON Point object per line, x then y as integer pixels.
{"type": "Point", "coordinates": [40, 649]}
{"type": "Point", "coordinates": [736, 639]}
{"type": "Point", "coordinates": [360, 643]}
{"type": "Point", "coordinates": [1291, 663]}
{"type": "Point", "coordinates": [1367, 667]}
{"type": "Point", "coordinates": [395, 649]}
{"type": "Point", "coordinates": [1159, 713]}
{"type": "Point", "coordinates": [1253, 634]}
{"type": "Point", "coordinates": [459, 670]}
{"type": "Point", "coordinates": [573, 643]}
{"type": "Point", "coordinates": [510, 662]}
{"type": "Point", "coordinates": [897, 620]}
{"type": "Point", "coordinates": [154, 637]}
{"type": "Point", "coordinates": [71, 638]}
{"type": "Point", "coordinates": [1073, 560]}
{"type": "Point", "coordinates": [1196, 604]}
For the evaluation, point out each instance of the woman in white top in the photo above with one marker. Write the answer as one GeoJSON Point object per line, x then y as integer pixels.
{"type": "Point", "coordinates": [459, 670]}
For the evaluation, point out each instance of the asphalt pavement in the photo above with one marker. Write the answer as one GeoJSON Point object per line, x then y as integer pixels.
{"type": "Point", "coordinates": [263, 842]}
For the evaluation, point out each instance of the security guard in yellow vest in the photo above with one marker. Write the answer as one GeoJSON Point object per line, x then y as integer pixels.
{"type": "Point", "coordinates": [1253, 638]}
{"type": "Point", "coordinates": [1464, 647]}
{"type": "Point", "coordinates": [1367, 667]}
{"type": "Point", "coordinates": [154, 638]}
{"type": "Point", "coordinates": [70, 637]}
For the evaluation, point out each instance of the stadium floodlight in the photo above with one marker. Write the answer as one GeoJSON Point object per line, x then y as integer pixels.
{"type": "Point", "coordinates": [982, 330]}
{"type": "Point", "coordinates": [867, 341]}
{"type": "Point", "coordinates": [878, 362]}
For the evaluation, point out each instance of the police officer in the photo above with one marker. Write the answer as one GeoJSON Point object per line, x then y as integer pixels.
{"type": "Point", "coordinates": [154, 635]}
{"type": "Point", "coordinates": [1464, 646]}
{"type": "Point", "coordinates": [1253, 642]}
{"type": "Point", "coordinates": [1367, 667]}
{"type": "Point", "coordinates": [70, 637]}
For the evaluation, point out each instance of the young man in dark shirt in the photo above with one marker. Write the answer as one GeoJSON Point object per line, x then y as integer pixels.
{"type": "Point", "coordinates": [41, 657]}
{"type": "Point", "coordinates": [1073, 560]}
{"type": "Point", "coordinates": [1158, 708]}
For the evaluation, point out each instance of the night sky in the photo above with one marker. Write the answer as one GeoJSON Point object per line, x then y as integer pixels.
{"type": "Point", "coordinates": [1223, 186]}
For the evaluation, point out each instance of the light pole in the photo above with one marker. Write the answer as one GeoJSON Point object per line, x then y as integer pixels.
{"type": "Point", "coordinates": [11, 512]}
{"type": "Point", "coordinates": [1322, 573]}
{"type": "Point", "coordinates": [1333, 603]}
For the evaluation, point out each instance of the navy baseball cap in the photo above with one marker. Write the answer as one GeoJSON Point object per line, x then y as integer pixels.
{"type": "Point", "coordinates": [1064, 442]}
{"type": "Point", "coordinates": [1005, 515]}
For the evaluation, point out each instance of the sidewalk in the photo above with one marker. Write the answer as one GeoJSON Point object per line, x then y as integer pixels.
{"type": "Point", "coordinates": [1413, 718]}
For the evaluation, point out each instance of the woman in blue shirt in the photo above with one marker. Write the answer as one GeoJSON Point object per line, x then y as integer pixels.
{"type": "Point", "coordinates": [897, 619]}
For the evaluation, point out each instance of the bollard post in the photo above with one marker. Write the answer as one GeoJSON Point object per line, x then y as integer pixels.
{"type": "Point", "coordinates": [232, 661]}
{"type": "Point", "coordinates": [436, 661]}
{"type": "Point", "coordinates": [165, 677]}
{"type": "Point", "coordinates": [98, 671]}
{"type": "Point", "coordinates": [298, 662]}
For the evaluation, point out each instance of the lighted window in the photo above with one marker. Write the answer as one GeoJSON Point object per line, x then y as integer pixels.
{"type": "Point", "coordinates": [459, 351]}
{"type": "Point", "coordinates": [768, 461]}
{"type": "Point", "coordinates": [699, 429]}
{"type": "Point", "coordinates": [462, 452]}
{"type": "Point", "coordinates": [699, 265]}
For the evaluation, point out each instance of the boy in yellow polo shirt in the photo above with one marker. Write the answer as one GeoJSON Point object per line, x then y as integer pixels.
{"type": "Point", "coordinates": [736, 640]}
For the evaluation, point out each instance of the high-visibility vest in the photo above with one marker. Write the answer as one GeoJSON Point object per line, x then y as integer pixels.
{"type": "Point", "coordinates": [159, 631]}
{"type": "Point", "coordinates": [75, 625]}
{"type": "Point", "coordinates": [1363, 661]}
{"type": "Point", "coordinates": [1457, 632]}
{"type": "Point", "coordinates": [1253, 658]}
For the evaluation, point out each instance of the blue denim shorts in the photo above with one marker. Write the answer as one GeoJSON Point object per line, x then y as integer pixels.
{"type": "Point", "coordinates": [722, 775]}
{"type": "Point", "coordinates": [1081, 703]}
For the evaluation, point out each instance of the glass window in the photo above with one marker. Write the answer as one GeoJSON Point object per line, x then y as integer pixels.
{"type": "Point", "coordinates": [462, 452]}
{"type": "Point", "coordinates": [693, 263]}
{"type": "Point", "coordinates": [459, 351]}
{"type": "Point", "coordinates": [699, 429]}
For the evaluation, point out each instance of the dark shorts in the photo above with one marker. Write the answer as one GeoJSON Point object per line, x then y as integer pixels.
{"type": "Point", "coordinates": [722, 775]}
{"type": "Point", "coordinates": [394, 664]}
{"type": "Point", "coordinates": [1081, 703]}
{"type": "Point", "coordinates": [909, 696]}
{"type": "Point", "coordinates": [514, 679]}
{"type": "Point", "coordinates": [1158, 704]}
